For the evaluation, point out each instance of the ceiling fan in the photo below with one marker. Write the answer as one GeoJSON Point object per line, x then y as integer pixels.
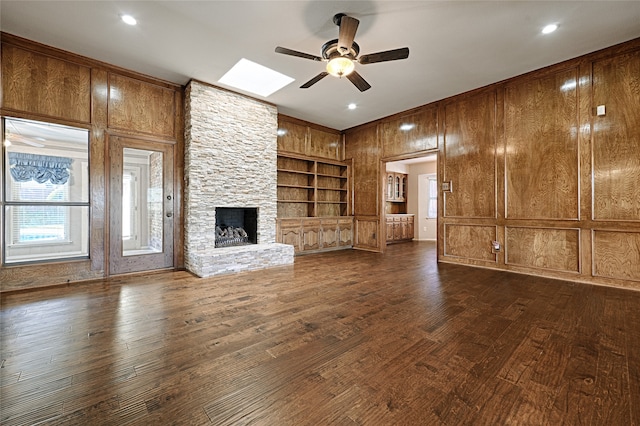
{"type": "Point", "coordinates": [342, 53]}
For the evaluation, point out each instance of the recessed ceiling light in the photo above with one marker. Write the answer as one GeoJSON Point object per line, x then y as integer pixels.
{"type": "Point", "coordinates": [255, 78]}
{"type": "Point", "coordinates": [352, 106]}
{"type": "Point", "coordinates": [128, 19]}
{"type": "Point", "coordinates": [549, 29]}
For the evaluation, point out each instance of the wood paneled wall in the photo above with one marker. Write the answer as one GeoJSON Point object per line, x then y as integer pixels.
{"type": "Point", "coordinates": [404, 135]}
{"type": "Point", "coordinates": [364, 151]}
{"type": "Point", "coordinates": [409, 133]}
{"type": "Point", "coordinates": [541, 146]}
{"type": "Point", "coordinates": [312, 140]}
{"type": "Point", "coordinates": [46, 84]}
{"type": "Point", "coordinates": [532, 166]}
{"type": "Point", "coordinates": [469, 145]}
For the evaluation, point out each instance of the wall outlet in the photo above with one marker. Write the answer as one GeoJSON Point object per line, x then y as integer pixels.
{"type": "Point", "coordinates": [447, 186]}
{"type": "Point", "coordinates": [495, 247]}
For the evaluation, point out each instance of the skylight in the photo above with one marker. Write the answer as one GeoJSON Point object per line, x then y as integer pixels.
{"type": "Point", "coordinates": [255, 78]}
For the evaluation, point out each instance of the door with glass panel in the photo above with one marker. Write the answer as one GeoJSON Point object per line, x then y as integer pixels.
{"type": "Point", "coordinates": [141, 205]}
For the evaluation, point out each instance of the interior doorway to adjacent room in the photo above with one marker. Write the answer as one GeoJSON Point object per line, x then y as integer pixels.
{"type": "Point", "coordinates": [419, 195]}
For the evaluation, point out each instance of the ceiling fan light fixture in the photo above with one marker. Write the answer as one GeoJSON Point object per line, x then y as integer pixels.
{"type": "Point", "coordinates": [340, 66]}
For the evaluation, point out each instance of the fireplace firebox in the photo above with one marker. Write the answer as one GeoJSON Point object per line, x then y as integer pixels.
{"type": "Point", "coordinates": [236, 226]}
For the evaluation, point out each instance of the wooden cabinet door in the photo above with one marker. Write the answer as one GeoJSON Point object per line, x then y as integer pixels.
{"type": "Point", "coordinates": [290, 233]}
{"type": "Point", "coordinates": [311, 235]}
{"type": "Point", "coordinates": [391, 192]}
{"type": "Point", "coordinates": [403, 187]}
{"type": "Point", "coordinates": [403, 229]}
{"type": "Point", "coordinates": [397, 230]}
{"type": "Point", "coordinates": [346, 232]}
{"type": "Point", "coordinates": [330, 233]}
{"type": "Point", "coordinates": [389, 229]}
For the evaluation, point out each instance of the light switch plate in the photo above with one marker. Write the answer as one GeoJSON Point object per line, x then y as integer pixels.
{"type": "Point", "coordinates": [600, 110]}
{"type": "Point", "coordinates": [447, 186]}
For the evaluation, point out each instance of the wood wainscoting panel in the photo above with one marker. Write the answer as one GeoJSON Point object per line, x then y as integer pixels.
{"type": "Point", "coordinates": [367, 233]}
{"type": "Point", "coordinates": [469, 241]}
{"type": "Point", "coordinates": [541, 153]}
{"type": "Point", "coordinates": [616, 138]}
{"type": "Point", "coordinates": [141, 107]}
{"type": "Point", "coordinates": [547, 248]}
{"type": "Point", "coordinates": [616, 254]}
{"type": "Point", "coordinates": [469, 156]}
{"type": "Point", "coordinates": [43, 85]}
{"type": "Point", "coordinates": [27, 277]}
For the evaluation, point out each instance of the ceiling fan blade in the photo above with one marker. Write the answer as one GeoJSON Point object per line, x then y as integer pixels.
{"type": "Point", "coordinates": [358, 81]}
{"type": "Point", "coordinates": [388, 55]}
{"type": "Point", "coordinates": [314, 80]}
{"type": "Point", "coordinates": [290, 52]}
{"type": "Point", "coordinates": [348, 28]}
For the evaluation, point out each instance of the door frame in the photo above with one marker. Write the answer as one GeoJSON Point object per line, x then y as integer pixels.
{"type": "Point", "coordinates": [116, 262]}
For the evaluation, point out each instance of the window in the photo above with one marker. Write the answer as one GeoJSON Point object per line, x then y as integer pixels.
{"type": "Point", "coordinates": [433, 198]}
{"type": "Point", "coordinates": [45, 194]}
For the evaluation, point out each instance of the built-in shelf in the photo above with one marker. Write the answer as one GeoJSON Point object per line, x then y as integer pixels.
{"type": "Point", "coordinates": [310, 187]}
{"type": "Point", "coordinates": [314, 204]}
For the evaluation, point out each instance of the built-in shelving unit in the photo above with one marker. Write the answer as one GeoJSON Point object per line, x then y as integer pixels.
{"type": "Point", "coordinates": [314, 203]}
{"type": "Point", "coordinates": [312, 188]}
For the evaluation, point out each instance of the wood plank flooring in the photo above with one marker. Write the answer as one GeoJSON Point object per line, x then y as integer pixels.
{"type": "Point", "coordinates": [340, 338]}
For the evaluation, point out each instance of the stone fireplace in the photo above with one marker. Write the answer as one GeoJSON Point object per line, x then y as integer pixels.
{"type": "Point", "coordinates": [230, 163]}
{"type": "Point", "coordinates": [236, 226]}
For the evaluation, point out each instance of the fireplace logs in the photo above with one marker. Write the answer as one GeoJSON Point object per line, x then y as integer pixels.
{"type": "Point", "coordinates": [227, 236]}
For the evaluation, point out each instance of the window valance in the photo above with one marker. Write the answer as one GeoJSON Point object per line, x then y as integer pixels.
{"type": "Point", "coordinates": [41, 168]}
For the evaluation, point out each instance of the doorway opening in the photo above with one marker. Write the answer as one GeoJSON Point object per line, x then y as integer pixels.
{"type": "Point", "coordinates": [411, 199]}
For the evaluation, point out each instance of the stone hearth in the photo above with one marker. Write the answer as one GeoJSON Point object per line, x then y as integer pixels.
{"type": "Point", "coordinates": [230, 161]}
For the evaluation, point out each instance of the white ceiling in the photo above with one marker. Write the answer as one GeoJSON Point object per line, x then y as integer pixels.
{"type": "Point", "coordinates": [455, 46]}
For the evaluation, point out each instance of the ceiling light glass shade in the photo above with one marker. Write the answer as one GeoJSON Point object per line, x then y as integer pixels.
{"type": "Point", "coordinates": [340, 66]}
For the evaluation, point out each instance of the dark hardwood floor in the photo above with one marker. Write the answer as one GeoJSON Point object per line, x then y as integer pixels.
{"type": "Point", "coordinates": [344, 338]}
